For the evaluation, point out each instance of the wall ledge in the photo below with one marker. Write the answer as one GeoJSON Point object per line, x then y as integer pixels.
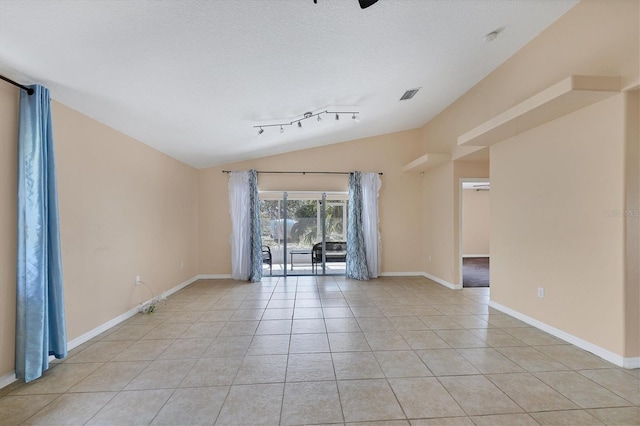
{"type": "Point", "coordinates": [603, 353]}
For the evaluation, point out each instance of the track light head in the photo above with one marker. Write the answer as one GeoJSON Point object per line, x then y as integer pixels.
{"type": "Point", "coordinates": [299, 124]}
{"type": "Point", "coordinates": [319, 118]}
{"type": "Point", "coordinates": [261, 131]}
{"type": "Point", "coordinates": [281, 129]}
{"type": "Point", "coordinates": [356, 117]}
{"type": "Point", "coordinates": [337, 116]}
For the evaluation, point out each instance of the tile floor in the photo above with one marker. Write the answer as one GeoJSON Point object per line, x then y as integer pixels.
{"type": "Point", "coordinates": [326, 350]}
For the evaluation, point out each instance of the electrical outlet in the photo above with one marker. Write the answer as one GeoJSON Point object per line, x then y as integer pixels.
{"type": "Point", "coordinates": [138, 279]}
{"type": "Point", "coordinates": [540, 292]}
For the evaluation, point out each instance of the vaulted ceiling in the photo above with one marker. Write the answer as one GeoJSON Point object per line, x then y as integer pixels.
{"type": "Point", "coordinates": [192, 78]}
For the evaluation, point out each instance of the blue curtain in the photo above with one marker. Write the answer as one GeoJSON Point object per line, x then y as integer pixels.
{"type": "Point", "coordinates": [255, 264]}
{"type": "Point", "coordinates": [40, 323]}
{"type": "Point", "coordinates": [356, 267]}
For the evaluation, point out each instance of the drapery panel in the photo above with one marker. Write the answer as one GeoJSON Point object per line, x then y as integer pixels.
{"type": "Point", "coordinates": [246, 239]}
{"type": "Point", "coordinates": [371, 184]}
{"type": "Point", "coordinates": [356, 265]}
{"type": "Point", "coordinates": [40, 317]}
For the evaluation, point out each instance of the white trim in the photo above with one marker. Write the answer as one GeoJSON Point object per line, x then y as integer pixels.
{"type": "Point", "coordinates": [213, 276]}
{"type": "Point", "coordinates": [401, 274]}
{"type": "Point", "coordinates": [7, 379]}
{"type": "Point", "coordinates": [441, 281]}
{"type": "Point", "coordinates": [603, 353]}
{"type": "Point", "coordinates": [631, 363]}
{"type": "Point", "coordinates": [475, 255]}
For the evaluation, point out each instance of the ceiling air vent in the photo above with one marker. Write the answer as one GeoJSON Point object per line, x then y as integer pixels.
{"type": "Point", "coordinates": [409, 94]}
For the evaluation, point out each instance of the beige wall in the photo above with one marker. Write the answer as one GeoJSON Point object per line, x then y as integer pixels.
{"type": "Point", "coordinates": [475, 222]}
{"type": "Point", "coordinates": [552, 189]}
{"type": "Point", "coordinates": [125, 210]}
{"type": "Point", "coordinates": [400, 208]}
{"type": "Point", "coordinates": [8, 221]}
{"type": "Point", "coordinates": [569, 46]}
{"type": "Point", "coordinates": [632, 218]}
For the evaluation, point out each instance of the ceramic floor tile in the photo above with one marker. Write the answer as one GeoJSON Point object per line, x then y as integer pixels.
{"type": "Point", "coordinates": [531, 359]}
{"type": "Point", "coordinates": [193, 406]}
{"type": "Point", "coordinates": [443, 421]}
{"type": "Point", "coordinates": [278, 314]}
{"type": "Point", "coordinates": [581, 390]}
{"type": "Point", "coordinates": [143, 350]}
{"type": "Point", "coordinates": [212, 372]}
{"type": "Point", "coordinates": [356, 365]}
{"type": "Point", "coordinates": [478, 396]}
{"type": "Point", "coordinates": [424, 397]}
{"type": "Point", "coordinates": [186, 348]}
{"type": "Point", "coordinates": [262, 369]}
{"type": "Point", "coordinates": [461, 339]}
{"type": "Point", "coordinates": [162, 374]}
{"type": "Point", "coordinates": [504, 420]}
{"type": "Point", "coordinates": [308, 326]}
{"type": "Point", "coordinates": [569, 418]}
{"type": "Point", "coordinates": [368, 400]}
{"type": "Point", "coordinates": [112, 376]}
{"type": "Point", "coordinates": [401, 364]}
{"type": "Point", "coordinates": [337, 312]}
{"type": "Point", "coordinates": [311, 402]}
{"type": "Point", "coordinates": [71, 408]}
{"type": "Point", "coordinates": [368, 324]}
{"type": "Point", "coordinates": [348, 342]}
{"type": "Point", "coordinates": [166, 332]}
{"type": "Point", "coordinates": [239, 328]}
{"type": "Point", "coordinates": [100, 352]}
{"type": "Point", "coordinates": [58, 379]}
{"type": "Point", "coordinates": [342, 325]}
{"type": "Point", "coordinates": [617, 381]}
{"type": "Point", "coordinates": [129, 332]}
{"type": "Point", "coordinates": [446, 362]}
{"type": "Point", "coordinates": [226, 346]}
{"type": "Point", "coordinates": [386, 341]}
{"type": "Point", "coordinates": [272, 344]}
{"type": "Point", "coordinates": [423, 339]}
{"type": "Point", "coordinates": [488, 360]}
{"type": "Point", "coordinates": [203, 330]}
{"type": "Point", "coordinates": [310, 367]}
{"type": "Point", "coordinates": [252, 405]}
{"type": "Point", "coordinates": [533, 337]}
{"type": "Point", "coordinates": [247, 315]}
{"type": "Point", "coordinates": [308, 343]}
{"type": "Point", "coordinates": [617, 416]}
{"type": "Point", "coordinates": [530, 393]}
{"type": "Point", "coordinates": [439, 322]}
{"type": "Point", "coordinates": [496, 338]}
{"type": "Point", "coordinates": [132, 408]}
{"type": "Point", "coordinates": [274, 327]}
{"type": "Point", "coordinates": [574, 358]}
{"type": "Point", "coordinates": [16, 409]}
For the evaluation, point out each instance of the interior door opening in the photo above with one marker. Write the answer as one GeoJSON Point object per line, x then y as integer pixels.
{"type": "Point", "coordinates": [474, 232]}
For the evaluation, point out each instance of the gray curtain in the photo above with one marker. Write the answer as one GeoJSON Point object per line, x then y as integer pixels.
{"type": "Point", "coordinates": [356, 255]}
{"type": "Point", "coordinates": [255, 263]}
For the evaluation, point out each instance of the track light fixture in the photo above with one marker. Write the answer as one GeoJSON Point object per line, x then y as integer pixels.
{"type": "Point", "coordinates": [355, 115]}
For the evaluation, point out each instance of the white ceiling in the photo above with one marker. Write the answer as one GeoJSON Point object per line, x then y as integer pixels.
{"type": "Point", "coordinates": [191, 77]}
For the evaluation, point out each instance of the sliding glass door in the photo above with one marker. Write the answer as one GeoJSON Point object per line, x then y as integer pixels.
{"type": "Point", "coordinates": [296, 227]}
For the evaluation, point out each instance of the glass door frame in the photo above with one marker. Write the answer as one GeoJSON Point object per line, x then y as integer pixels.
{"type": "Point", "coordinates": [323, 226]}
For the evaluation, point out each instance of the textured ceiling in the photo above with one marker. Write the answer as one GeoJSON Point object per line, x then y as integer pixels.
{"type": "Point", "coordinates": [190, 78]}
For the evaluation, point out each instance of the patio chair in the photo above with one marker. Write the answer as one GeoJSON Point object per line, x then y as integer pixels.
{"type": "Point", "coordinates": [266, 258]}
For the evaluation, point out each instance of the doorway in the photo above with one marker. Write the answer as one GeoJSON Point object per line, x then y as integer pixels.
{"type": "Point", "coordinates": [296, 226]}
{"type": "Point", "coordinates": [474, 232]}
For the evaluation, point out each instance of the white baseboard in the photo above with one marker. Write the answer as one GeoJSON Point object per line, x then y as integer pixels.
{"type": "Point", "coordinates": [401, 274]}
{"type": "Point", "coordinates": [603, 353]}
{"type": "Point", "coordinates": [441, 281]}
{"type": "Point", "coordinates": [475, 255]}
{"type": "Point", "coordinates": [7, 379]}
{"type": "Point", "coordinates": [213, 276]}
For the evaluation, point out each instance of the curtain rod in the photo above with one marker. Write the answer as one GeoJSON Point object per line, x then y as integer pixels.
{"type": "Point", "coordinates": [304, 173]}
{"type": "Point", "coordinates": [28, 89]}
